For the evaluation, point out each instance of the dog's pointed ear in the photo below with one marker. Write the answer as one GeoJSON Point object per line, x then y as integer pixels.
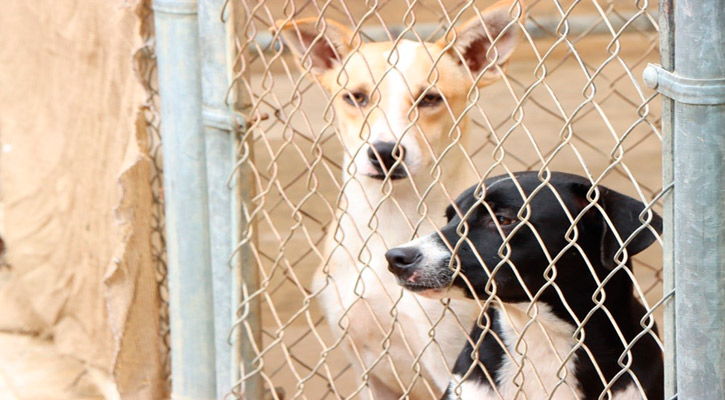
{"type": "Point", "coordinates": [317, 44]}
{"type": "Point", "coordinates": [473, 40]}
{"type": "Point", "coordinates": [620, 224]}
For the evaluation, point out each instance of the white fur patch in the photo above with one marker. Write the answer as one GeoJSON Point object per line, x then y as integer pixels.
{"type": "Point", "coordinates": [434, 253]}
{"type": "Point", "coordinates": [534, 373]}
{"type": "Point", "coordinates": [630, 393]}
{"type": "Point", "coordinates": [544, 344]}
{"type": "Point", "coordinates": [435, 257]}
{"type": "Point", "coordinates": [359, 293]}
{"type": "Point", "coordinates": [395, 105]}
{"type": "Point", "coordinates": [471, 390]}
{"type": "Point", "coordinates": [393, 123]}
{"type": "Point", "coordinates": [538, 378]}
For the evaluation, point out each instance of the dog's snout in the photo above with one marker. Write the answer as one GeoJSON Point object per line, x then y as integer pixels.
{"type": "Point", "coordinates": [387, 153]}
{"type": "Point", "coordinates": [402, 260]}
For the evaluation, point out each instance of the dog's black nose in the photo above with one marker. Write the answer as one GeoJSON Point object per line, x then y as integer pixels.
{"type": "Point", "coordinates": [388, 154]}
{"type": "Point", "coordinates": [402, 260]}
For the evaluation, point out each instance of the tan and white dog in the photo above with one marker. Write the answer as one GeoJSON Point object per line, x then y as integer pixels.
{"type": "Point", "coordinates": [402, 115]}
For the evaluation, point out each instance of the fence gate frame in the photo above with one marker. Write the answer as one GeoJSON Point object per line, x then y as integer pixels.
{"type": "Point", "coordinates": [202, 138]}
{"type": "Point", "coordinates": [691, 80]}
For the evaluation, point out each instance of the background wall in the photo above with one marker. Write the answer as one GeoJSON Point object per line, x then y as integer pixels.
{"type": "Point", "coordinates": [75, 178]}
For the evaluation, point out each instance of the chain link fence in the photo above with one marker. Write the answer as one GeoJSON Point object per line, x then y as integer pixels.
{"type": "Point", "coordinates": [145, 66]}
{"type": "Point", "coordinates": [571, 99]}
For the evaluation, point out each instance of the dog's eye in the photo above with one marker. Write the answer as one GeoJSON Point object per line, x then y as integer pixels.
{"type": "Point", "coordinates": [503, 221]}
{"type": "Point", "coordinates": [430, 99]}
{"type": "Point", "coordinates": [357, 99]}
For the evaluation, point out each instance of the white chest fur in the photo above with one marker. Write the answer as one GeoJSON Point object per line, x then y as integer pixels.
{"type": "Point", "coordinates": [537, 364]}
{"type": "Point", "coordinates": [532, 369]}
{"type": "Point", "coordinates": [540, 365]}
{"type": "Point", "coordinates": [362, 300]}
{"type": "Point", "coordinates": [477, 391]}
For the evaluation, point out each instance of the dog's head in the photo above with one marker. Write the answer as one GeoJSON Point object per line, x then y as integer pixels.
{"type": "Point", "coordinates": [397, 103]}
{"type": "Point", "coordinates": [512, 228]}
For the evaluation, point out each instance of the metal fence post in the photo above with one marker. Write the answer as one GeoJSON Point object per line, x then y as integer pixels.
{"type": "Point", "coordinates": [229, 185]}
{"type": "Point", "coordinates": [219, 126]}
{"type": "Point", "coordinates": [185, 193]}
{"type": "Point", "coordinates": [666, 30]}
{"type": "Point", "coordinates": [697, 87]}
{"type": "Point", "coordinates": [247, 325]}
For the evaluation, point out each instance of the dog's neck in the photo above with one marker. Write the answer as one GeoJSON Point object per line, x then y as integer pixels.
{"type": "Point", "coordinates": [618, 299]}
{"type": "Point", "coordinates": [602, 340]}
{"type": "Point", "coordinates": [539, 343]}
{"type": "Point", "coordinates": [398, 209]}
{"type": "Point", "coordinates": [366, 195]}
{"type": "Point", "coordinates": [537, 346]}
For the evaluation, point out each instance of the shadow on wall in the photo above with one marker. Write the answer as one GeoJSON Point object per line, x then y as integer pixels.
{"type": "Point", "coordinates": [3, 263]}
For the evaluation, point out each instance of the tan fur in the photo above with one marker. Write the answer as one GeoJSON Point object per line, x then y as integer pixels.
{"type": "Point", "coordinates": [385, 329]}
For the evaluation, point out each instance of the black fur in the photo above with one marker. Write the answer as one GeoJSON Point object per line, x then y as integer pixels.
{"type": "Point", "coordinates": [598, 245]}
{"type": "Point", "coordinates": [485, 361]}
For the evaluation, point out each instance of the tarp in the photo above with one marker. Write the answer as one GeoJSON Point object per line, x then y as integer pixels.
{"type": "Point", "coordinates": [76, 188]}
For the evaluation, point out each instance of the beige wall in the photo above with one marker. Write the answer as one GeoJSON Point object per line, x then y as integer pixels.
{"type": "Point", "coordinates": [75, 186]}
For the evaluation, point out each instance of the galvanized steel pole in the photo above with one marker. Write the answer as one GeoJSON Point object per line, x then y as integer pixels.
{"type": "Point", "coordinates": [219, 128]}
{"type": "Point", "coordinates": [697, 87]}
{"type": "Point", "coordinates": [700, 201]}
{"type": "Point", "coordinates": [231, 261]}
{"type": "Point", "coordinates": [667, 58]}
{"type": "Point", "coordinates": [247, 324]}
{"type": "Point", "coordinates": [185, 193]}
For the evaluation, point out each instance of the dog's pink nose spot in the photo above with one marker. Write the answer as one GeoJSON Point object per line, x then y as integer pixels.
{"type": "Point", "coordinates": [412, 278]}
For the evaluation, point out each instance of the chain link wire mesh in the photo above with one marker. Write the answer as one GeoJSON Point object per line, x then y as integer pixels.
{"type": "Point", "coordinates": [145, 66]}
{"type": "Point", "coordinates": [571, 100]}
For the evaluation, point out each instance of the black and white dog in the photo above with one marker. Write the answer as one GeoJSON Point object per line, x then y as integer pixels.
{"type": "Point", "coordinates": [560, 319]}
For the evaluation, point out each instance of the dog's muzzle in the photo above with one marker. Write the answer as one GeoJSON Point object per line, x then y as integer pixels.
{"type": "Point", "coordinates": [403, 261]}
{"type": "Point", "coordinates": [382, 156]}
{"type": "Point", "coordinates": [408, 266]}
